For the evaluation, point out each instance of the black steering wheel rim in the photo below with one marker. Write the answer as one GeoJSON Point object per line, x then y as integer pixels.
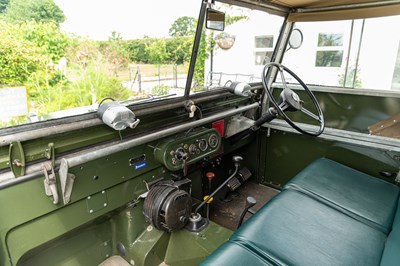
{"type": "Point", "coordinates": [319, 117]}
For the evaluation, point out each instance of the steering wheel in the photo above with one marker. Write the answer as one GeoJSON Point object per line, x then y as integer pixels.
{"type": "Point", "coordinates": [290, 101]}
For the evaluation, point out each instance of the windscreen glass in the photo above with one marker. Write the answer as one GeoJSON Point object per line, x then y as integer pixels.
{"type": "Point", "coordinates": [239, 52]}
{"type": "Point", "coordinates": [353, 54]}
{"type": "Point", "coordinates": [60, 58]}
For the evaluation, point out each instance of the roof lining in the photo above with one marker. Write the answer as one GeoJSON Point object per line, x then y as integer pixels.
{"type": "Point", "coordinates": [348, 6]}
{"type": "Point", "coordinates": [260, 5]}
{"type": "Point", "coordinates": [346, 14]}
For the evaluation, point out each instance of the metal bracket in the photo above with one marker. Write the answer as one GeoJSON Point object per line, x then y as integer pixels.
{"type": "Point", "coordinates": [16, 157]}
{"type": "Point", "coordinates": [66, 180]}
{"type": "Point", "coordinates": [50, 182]}
{"type": "Point", "coordinates": [237, 124]}
{"type": "Point", "coordinates": [50, 154]}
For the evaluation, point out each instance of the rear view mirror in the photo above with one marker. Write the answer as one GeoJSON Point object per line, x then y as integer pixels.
{"type": "Point", "coordinates": [215, 20]}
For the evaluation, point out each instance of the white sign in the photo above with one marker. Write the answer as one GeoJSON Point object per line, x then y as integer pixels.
{"type": "Point", "coordinates": [13, 102]}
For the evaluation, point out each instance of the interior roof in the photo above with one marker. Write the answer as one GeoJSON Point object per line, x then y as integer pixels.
{"type": "Point", "coordinates": [319, 10]}
{"type": "Point", "coordinates": [322, 3]}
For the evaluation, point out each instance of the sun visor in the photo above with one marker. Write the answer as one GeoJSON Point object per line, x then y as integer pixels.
{"type": "Point", "coordinates": [355, 13]}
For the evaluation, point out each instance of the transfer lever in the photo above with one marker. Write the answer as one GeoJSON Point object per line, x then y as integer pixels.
{"type": "Point", "coordinates": [250, 202]}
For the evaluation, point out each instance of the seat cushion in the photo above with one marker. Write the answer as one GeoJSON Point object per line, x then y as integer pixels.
{"type": "Point", "coordinates": [295, 229]}
{"type": "Point", "coordinates": [231, 253]}
{"type": "Point", "coordinates": [365, 198]}
{"type": "Point", "coordinates": [391, 254]}
{"type": "Point", "coordinates": [396, 222]}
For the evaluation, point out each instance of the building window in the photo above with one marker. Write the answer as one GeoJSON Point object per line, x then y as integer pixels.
{"type": "Point", "coordinates": [263, 46]}
{"type": "Point", "coordinates": [329, 50]}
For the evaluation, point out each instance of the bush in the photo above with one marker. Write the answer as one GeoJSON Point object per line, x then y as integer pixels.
{"type": "Point", "coordinates": [18, 59]}
{"type": "Point", "coordinates": [28, 47]}
{"type": "Point", "coordinates": [175, 50]}
{"type": "Point", "coordinates": [160, 90]}
{"type": "Point", "coordinates": [47, 36]}
{"type": "Point", "coordinates": [137, 50]}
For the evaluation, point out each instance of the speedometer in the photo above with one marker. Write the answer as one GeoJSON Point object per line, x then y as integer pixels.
{"type": "Point", "coordinates": [203, 145]}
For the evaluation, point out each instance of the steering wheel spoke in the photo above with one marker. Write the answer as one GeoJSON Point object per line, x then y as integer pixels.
{"type": "Point", "coordinates": [311, 114]}
{"type": "Point", "coordinates": [283, 106]}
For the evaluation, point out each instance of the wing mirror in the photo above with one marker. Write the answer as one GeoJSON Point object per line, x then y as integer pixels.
{"type": "Point", "coordinates": [215, 20]}
{"type": "Point", "coordinates": [296, 39]}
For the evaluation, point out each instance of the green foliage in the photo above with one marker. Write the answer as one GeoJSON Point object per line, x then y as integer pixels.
{"type": "Point", "coordinates": [157, 51]}
{"type": "Point", "coordinates": [160, 90]}
{"type": "Point", "coordinates": [183, 26]}
{"type": "Point", "coordinates": [28, 47]}
{"type": "Point", "coordinates": [229, 20]}
{"type": "Point", "coordinates": [114, 47]}
{"type": "Point", "coordinates": [18, 58]}
{"type": "Point", "coordinates": [351, 74]}
{"type": "Point", "coordinates": [179, 49]}
{"type": "Point", "coordinates": [49, 91]}
{"type": "Point", "coordinates": [37, 10]}
{"type": "Point", "coordinates": [3, 5]}
{"type": "Point", "coordinates": [137, 50]}
{"type": "Point", "coordinates": [47, 36]}
{"type": "Point", "coordinates": [202, 55]}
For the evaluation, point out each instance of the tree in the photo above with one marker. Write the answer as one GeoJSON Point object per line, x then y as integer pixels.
{"type": "Point", "coordinates": [3, 5]}
{"type": "Point", "coordinates": [183, 26]}
{"type": "Point", "coordinates": [37, 10]}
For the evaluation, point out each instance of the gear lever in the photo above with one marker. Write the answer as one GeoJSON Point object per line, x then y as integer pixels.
{"type": "Point", "coordinates": [196, 222]}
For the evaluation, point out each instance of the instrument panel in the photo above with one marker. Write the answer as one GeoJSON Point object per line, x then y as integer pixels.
{"type": "Point", "coordinates": [177, 152]}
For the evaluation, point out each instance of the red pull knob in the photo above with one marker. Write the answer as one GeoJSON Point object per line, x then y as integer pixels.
{"type": "Point", "coordinates": [210, 176]}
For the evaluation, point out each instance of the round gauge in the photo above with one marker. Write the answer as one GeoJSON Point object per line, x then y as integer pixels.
{"type": "Point", "coordinates": [203, 145]}
{"type": "Point", "coordinates": [193, 149]}
{"type": "Point", "coordinates": [213, 140]}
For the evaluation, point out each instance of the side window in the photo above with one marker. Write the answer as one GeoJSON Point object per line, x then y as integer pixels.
{"type": "Point", "coordinates": [263, 49]}
{"type": "Point", "coordinates": [361, 53]}
{"type": "Point", "coordinates": [329, 50]}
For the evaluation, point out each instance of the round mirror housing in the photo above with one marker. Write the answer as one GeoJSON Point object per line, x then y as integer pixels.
{"type": "Point", "coordinates": [296, 39]}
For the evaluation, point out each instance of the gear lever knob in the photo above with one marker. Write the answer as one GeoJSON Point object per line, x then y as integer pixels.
{"type": "Point", "coordinates": [237, 160]}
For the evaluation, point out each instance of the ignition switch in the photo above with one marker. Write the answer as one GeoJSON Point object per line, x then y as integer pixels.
{"type": "Point", "coordinates": [181, 154]}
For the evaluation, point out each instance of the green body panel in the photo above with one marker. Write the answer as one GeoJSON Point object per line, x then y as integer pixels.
{"type": "Point", "coordinates": [181, 247]}
{"type": "Point", "coordinates": [34, 230]}
{"type": "Point", "coordinates": [70, 141]}
{"type": "Point", "coordinates": [289, 153]}
{"type": "Point", "coordinates": [351, 112]}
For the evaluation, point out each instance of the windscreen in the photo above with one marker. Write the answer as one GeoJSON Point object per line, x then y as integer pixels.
{"type": "Point", "coordinates": [239, 52]}
{"type": "Point", "coordinates": [62, 57]}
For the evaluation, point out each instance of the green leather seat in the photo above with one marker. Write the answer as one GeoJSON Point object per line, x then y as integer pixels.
{"type": "Point", "coordinates": [295, 229]}
{"type": "Point", "coordinates": [359, 195]}
{"type": "Point", "coordinates": [313, 221]}
{"type": "Point", "coordinates": [231, 253]}
{"type": "Point", "coordinates": [391, 254]}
